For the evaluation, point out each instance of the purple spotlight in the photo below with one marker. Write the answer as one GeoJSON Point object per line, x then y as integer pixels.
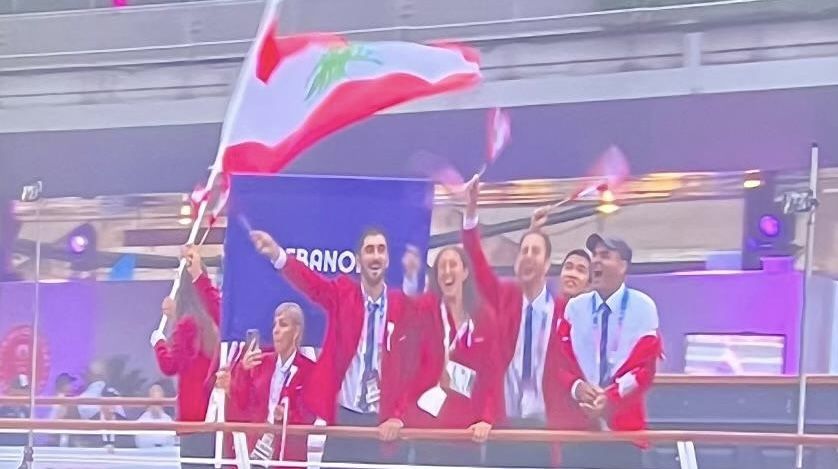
{"type": "Point", "coordinates": [769, 226]}
{"type": "Point", "coordinates": [78, 243]}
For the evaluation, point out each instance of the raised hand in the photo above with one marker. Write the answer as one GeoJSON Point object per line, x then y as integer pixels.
{"type": "Point", "coordinates": [472, 193]}
{"type": "Point", "coordinates": [410, 261]}
{"type": "Point", "coordinates": [194, 263]}
{"type": "Point", "coordinates": [265, 244]}
{"type": "Point", "coordinates": [539, 217]}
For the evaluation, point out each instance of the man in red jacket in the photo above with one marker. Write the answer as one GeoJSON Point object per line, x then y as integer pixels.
{"type": "Point", "coordinates": [609, 347]}
{"type": "Point", "coordinates": [268, 386]}
{"type": "Point", "coordinates": [527, 315]}
{"type": "Point", "coordinates": [358, 374]}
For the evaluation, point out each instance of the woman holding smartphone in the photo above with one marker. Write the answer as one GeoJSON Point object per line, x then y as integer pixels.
{"type": "Point", "coordinates": [190, 352]}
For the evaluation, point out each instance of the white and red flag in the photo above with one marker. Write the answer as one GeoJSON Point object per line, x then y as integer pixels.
{"type": "Point", "coordinates": [293, 91]}
{"type": "Point", "coordinates": [608, 173]}
{"type": "Point", "coordinates": [499, 130]}
{"type": "Point", "coordinates": [299, 89]}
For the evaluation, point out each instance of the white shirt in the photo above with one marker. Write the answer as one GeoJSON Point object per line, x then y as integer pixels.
{"type": "Point", "coordinates": [350, 389]}
{"type": "Point", "coordinates": [151, 440]}
{"type": "Point", "coordinates": [584, 313]}
{"type": "Point", "coordinates": [279, 380]}
{"type": "Point", "coordinates": [529, 403]}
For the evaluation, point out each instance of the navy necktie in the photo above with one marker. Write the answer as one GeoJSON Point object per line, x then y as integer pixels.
{"type": "Point", "coordinates": [603, 346]}
{"type": "Point", "coordinates": [369, 367]}
{"type": "Point", "coordinates": [526, 370]}
{"type": "Point", "coordinates": [372, 308]}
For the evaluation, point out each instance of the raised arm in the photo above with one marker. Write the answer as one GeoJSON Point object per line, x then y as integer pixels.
{"type": "Point", "coordinates": [487, 282]}
{"type": "Point", "coordinates": [311, 284]}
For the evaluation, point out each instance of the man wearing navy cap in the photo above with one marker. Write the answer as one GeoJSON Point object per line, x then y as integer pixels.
{"type": "Point", "coordinates": [609, 351]}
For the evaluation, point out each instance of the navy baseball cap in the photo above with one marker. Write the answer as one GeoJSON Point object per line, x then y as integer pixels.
{"type": "Point", "coordinates": [612, 243]}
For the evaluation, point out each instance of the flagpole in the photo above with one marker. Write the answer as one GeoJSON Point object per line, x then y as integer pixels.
{"type": "Point", "coordinates": [809, 207]}
{"type": "Point", "coordinates": [270, 11]}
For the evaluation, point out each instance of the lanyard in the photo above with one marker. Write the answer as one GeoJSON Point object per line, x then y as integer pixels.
{"type": "Point", "coordinates": [615, 344]}
{"type": "Point", "coordinates": [466, 328]}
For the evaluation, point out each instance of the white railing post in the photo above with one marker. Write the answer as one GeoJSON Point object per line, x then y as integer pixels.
{"type": "Point", "coordinates": [686, 455]}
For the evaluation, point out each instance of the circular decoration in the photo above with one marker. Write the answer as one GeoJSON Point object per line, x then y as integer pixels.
{"type": "Point", "coordinates": [16, 358]}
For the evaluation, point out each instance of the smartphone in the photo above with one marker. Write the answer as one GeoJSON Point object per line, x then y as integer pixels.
{"type": "Point", "coordinates": [252, 340]}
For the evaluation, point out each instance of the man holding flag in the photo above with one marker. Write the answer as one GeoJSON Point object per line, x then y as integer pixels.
{"type": "Point", "coordinates": [527, 316]}
{"type": "Point", "coordinates": [358, 378]}
{"type": "Point", "coordinates": [292, 92]}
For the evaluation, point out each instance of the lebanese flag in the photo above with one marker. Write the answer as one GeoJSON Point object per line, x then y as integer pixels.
{"type": "Point", "coordinates": [499, 132]}
{"type": "Point", "coordinates": [300, 89]}
{"type": "Point", "coordinates": [609, 172]}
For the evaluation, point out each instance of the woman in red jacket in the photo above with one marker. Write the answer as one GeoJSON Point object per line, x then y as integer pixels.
{"type": "Point", "coordinates": [190, 352]}
{"type": "Point", "coordinates": [457, 379]}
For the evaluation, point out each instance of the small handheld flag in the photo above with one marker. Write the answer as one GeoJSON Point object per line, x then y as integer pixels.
{"type": "Point", "coordinates": [609, 172]}
{"type": "Point", "coordinates": [245, 223]}
{"type": "Point", "coordinates": [498, 132]}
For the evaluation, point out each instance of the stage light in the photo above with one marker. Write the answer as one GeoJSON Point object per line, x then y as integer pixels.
{"type": "Point", "coordinates": [81, 245]}
{"type": "Point", "coordinates": [606, 202]}
{"type": "Point", "coordinates": [81, 239]}
{"type": "Point", "coordinates": [607, 209]}
{"type": "Point", "coordinates": [767, 231]}
{"type": "Point", "coordinates": [769, 225]}
{"type": "Point", "coordinates": [78, 244]}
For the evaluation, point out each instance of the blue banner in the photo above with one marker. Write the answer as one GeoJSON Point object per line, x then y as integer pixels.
{"type": "Point", "coordinates": [319, 220]}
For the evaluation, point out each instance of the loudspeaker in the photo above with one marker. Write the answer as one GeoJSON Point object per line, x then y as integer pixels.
{"type": "Point", "coordinates": [767, 231]}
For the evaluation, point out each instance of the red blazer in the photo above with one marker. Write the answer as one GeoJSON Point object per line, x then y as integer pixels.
{"type": "Point", "coordinates": [625, 410]}
{"type": "Point", "coordinates": [343, 303]}
{"type": "Point", "coordinates": [181, 356]}
{"type": "Point", "coordinates": [251, 389]}
{"type": "Point", "coordinates": [479, 354]}
{"type": "Point", "coordinates": [507, 298]}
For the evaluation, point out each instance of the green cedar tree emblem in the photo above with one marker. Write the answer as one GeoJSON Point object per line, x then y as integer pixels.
{"type": "Point", "coordinates": [332, 67]}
